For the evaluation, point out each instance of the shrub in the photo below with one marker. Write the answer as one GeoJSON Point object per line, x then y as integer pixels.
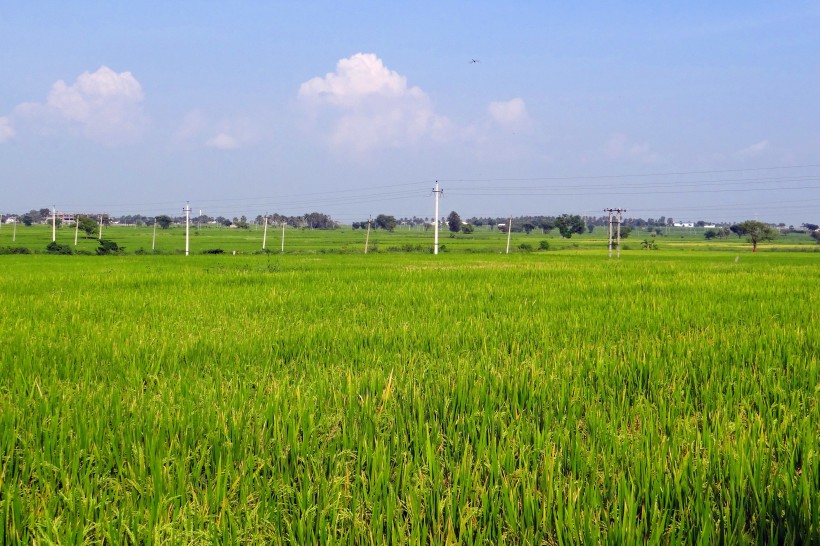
{"type": "Point", "coordinates": [215, 251]}
{"type": "Point", "coordinates": [109, 247]}
{"type": "Point", "coordinates": [544, 245]}
{"type": "Point", "coordinates": [56, 248]}
{"type": "Point", "coordinates": [15, 250]}
{"type": "Point", "coordinates": [526, 247]}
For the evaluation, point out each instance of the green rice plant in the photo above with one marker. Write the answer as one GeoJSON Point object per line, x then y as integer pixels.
{"type": "Point", "coordinates": [408, 399]}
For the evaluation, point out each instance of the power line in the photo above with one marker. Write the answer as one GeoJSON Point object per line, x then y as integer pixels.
{"type": "Point", "coordinates": [634, 175]}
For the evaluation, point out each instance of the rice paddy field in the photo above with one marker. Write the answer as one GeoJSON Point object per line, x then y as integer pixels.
{"type": "Point", "coordinates": [554, 397]}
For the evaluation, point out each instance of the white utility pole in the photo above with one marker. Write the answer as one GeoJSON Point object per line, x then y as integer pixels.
{"type": "Point", "coordinates": [284, 223]}
{"type": "Point", "coordinates": [618, 230]}
{"type": "Point", "coordinates": [265, 233]}
{"type": "Point", "coordinates": [187, 210]}
{"type": "Point", "coordinates": [610, 231]}
{"type": "Point", "coordinates": [199, 221]}
{"type": "Point", "coordinates": [509, 233]}
{"type": "Point", "coordinates": [438, 192]}
{"type": "Point", "coordinates": [14, 233]}
{"type": "Point", "coordinates": [76, 228]}
{"type": "Point", "coordinates": [54, 225]}
{"type": "Point", "coordinates": [100, 227]}
{"type": "Point", "coordinates": [367, 237]}
{"type": "Point", "coordinates": [154, 238]}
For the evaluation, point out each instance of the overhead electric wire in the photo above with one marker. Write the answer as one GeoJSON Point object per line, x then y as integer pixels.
{"type": "Point", "coordinates": [342, 199]}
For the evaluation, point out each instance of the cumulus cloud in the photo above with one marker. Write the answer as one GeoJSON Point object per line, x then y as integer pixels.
{"type": "Point", "coordinates": [620, 146]}
{"type": "Point", "coordinates": [223, 141]}
{"type": "Point", "coordinates": [511, 112]}
{"type": "Point", "coordinates": [6, 130]}
{"type": "Point", "coordinates": [197, 130]}
{"type": "Point", "coordinates": [755, 149]}
{"type": "Point", "coordinates": [364, 106]}
{"type": "Point", "coordinates": [102, 105]}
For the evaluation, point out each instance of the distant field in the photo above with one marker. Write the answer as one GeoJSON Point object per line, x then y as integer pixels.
{"type": "Point", "coordinates": [347, 240]}
{"type": "Point", "coordinates": [407, 398]}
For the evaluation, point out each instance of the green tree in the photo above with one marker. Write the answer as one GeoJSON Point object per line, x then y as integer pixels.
{"type": "Point", "coordinates": [109, 247]}
{"type": "Point", "coordinates": [467, 228]}
{"type": "Point", "coordinates": [87, 224]}
{"type": "Point", "coordinates": [568, 224]}
{"type": "Point", "coordinates": [27, 220]}
{"type": "Point", "coordinates": [756, 232]}
{"type": "Point", "coordinates": [164, 221]}
{"type": "Point", "coordinates": [385, 222]}
{"type": "Point", "coordinates": [57, 248]}
{"type": "Point", "coordinates": [454, 222]}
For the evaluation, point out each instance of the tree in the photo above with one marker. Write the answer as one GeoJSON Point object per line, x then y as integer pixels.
{"type": "Point", "coordinates": [27, 220]}
{"type": "Point", "coordinates": [816, 236]}
{"type": "Point", "coordinates": [568, 224]}
{"type": "Point", "coordinates": [757, 232]}
{"type": "Point", "coordinates": [385, 222]}
{"type": "Point", "coordinates": [528, 227]}
{"type": "Point", "coordinates": [625, 231]}
{"type": "Point", "coordinates": [88, 225]}
{"type": "Point", "coordinates": [467, 228]}
{"type": "Point", "coordinates": [164, 221]}
{"type": "Point", "coordinates": [109, 247]}
{"type": "Point", "coordinates": [454, 222]}
{"type": "Point", "coordinates": [811, 227]}
{"type": "Point", "coordinates": [318, 220]}
{"type": "Point", "coordinates": [546, 226]}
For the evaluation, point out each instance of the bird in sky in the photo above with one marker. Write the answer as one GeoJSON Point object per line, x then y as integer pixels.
{"type": "Point", "coordinates": [473, 61]}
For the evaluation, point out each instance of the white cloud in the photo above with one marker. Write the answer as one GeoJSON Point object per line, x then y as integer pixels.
{"type": "Point", "coordinates": [223, 141]}
{"type": "Point", "coordinates": [511, 112]}
{"type": "Point", "coordinates": [6, 130]}
{"type": "Point", "coordinates": [620, 146]}
{"type": "Point", "coordinates": [197, 130]}
{"type": "Point", "coordinates": [102, 105]}
{"type": "Point", "coordinates": [755, 149]}
{"type": "Point", "coordinates": [366, 106]}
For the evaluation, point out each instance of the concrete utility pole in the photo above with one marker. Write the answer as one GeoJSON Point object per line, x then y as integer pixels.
{"type": "Point", "coordinates": [509, 233]}
{"type": "Point", "coordinates": [187, 211]}
{"type": "Point", "coordinates": [610, 231]}
{"type": "Point", "coordinates": [54, 225]}
{"type": "Point", "coordinates": [618, 233]}
{"type": "Point", "coordinates": [76, 227]}
{"type": "Point", "coordinates": [154, 238]}
{"type": "Point", "coordinates": [284, 223]}
{"type": "Point", "coordinates": [100, 237]}
{"type": "Point", "coordinates": [265, 233]}
{"type": "Point", "coordinates": [367, 237]}
{"type": "Point", "coordinates": [438, 192]}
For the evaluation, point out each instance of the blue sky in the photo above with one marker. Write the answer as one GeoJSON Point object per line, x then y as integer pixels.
{"type": "Point", "coordinates": [694, 110]}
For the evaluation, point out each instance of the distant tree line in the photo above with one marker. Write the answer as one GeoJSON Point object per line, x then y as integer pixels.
{"type": "Point", "coordinates": [565, 224]}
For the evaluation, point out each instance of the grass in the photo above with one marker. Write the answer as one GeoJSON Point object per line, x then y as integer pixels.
{"type": "Point", "coordinates": [554, 397]}
{"type": "Point", "coordinates": [350, 241]}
